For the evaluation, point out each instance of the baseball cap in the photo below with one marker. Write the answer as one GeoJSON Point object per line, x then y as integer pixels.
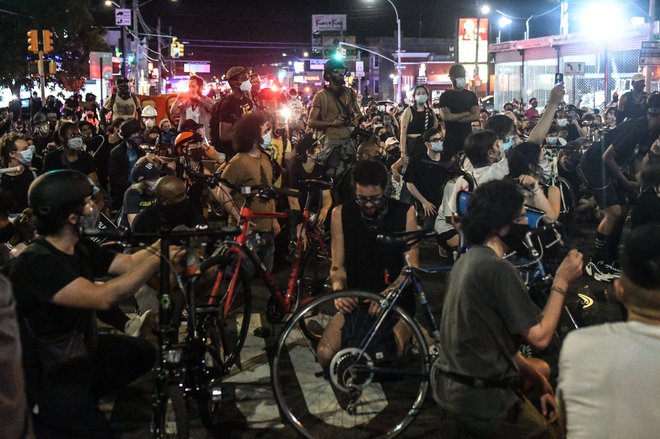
{"type": "Point", "coordinates": [235, 71]}
{"type": "Point", "coordinates": [637, 77]}
{"type": "Point", "coordinates": [190, 125]}
{"type": "Point", "coordinates": [391, 141]}
{"type": "Point", "coordinates": [144, 170]}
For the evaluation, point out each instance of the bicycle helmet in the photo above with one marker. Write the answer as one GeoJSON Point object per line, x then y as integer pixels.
{"type": "Point", "coordinates": [186, 137]}
{"type": "Point", "coordinates": [56, 194]}
{"type": "Point", "coordinates": [331, 65]}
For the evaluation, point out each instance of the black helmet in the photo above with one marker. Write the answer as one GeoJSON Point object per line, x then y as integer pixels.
{"type": "Point", "coordinates": [59, 193]}
{"type": "Point", "coordinates": [331, 65]}
{"type": "Point", "coordinates": [39, 117]}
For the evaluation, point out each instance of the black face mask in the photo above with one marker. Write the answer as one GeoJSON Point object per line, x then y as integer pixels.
{"type": "Point", "coordinates": [196, 154]}
{"type": "Point", "coordinates": [124, 92]}
{"type": "Point", "coordinates": [515, 239]}
{"type": "Point", "coordinates": [174, 214]}
{"type": "Point", "coordinates": [375, 221]}
{"type": "Point", "coordinates": [337, 80]}
{"type": "Point", "coordinates": [383, 137]}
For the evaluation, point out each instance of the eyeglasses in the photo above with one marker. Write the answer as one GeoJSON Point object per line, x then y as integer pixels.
{"type": "Point", "coordinates": [338, 71]}
{"type": "Point", "coordinates": [436, 139]}
{"type": "Point", "coordinates": [376, 200]}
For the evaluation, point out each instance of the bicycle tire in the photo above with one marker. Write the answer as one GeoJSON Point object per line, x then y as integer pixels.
{"type": "Point", "coordinates": [567, 194]}
{"type": "Point", "coordinates": [210, 373]}
{"type": "Point", "coordinates": [311, 283]}
{"type": "Point", "coordinates": [233, 327]}
{"type": "Point", "coordinates": [170, 417]}
{"type": "Point", "coordinates": [319, 408]}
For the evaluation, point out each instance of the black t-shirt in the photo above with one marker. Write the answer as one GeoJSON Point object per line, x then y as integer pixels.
{"type": "Point", "coordinates": [135, 202]}
{"type": "Point", "coordinates": [156, 217]}
{"type": "Point", "coordinates": [457, 101]}
{"type": "Point", "coordinates": [646, 210]}
{"type": "Point", "coordinates": [57, 160]}
{"type": "Point", "coordinates": [39, 273]}
{"type": "Point", "coordinates": [18, 187]}
{"type": "Point", "coordinates": [99, 148]}
{"type": "Point", "coordinates": [229, 110]}
{"type": "Point", "coordinates": [297, 174]}
{"type": "Point", "coordinates": [428, 176]}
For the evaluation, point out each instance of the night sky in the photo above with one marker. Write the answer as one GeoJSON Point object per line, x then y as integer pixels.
{"type": "Point", "coordinates": [210, 24]}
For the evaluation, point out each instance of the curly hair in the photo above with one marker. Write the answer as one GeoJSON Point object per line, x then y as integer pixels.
{"type": "Point", "coordinates": [247, 132]}
{"type": "Point", "coordinates": [8, 145]}
{"type": "Point", "coordinates": [494, 205]}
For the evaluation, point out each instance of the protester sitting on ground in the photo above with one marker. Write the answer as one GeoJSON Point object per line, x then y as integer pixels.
{"type": "Point", "coordinates": [487, 311]}
{"type": "Point", "coordinates": [608, 381]}
{"type": "Point", "coordinates": [647, 207]}
{"type": "Point", "coordinates": [140, 194]}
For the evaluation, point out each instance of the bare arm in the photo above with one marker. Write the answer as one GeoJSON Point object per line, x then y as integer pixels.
{"type": "Point", "coordinates": [82, 293]}
{"type": "Point", "coordinates": [429, 208]}
{"type": "Point", "coordinates": [448, 116]}
{"type": "Point", "coordinates": [337, 270]}
{"type": "Point", "coordinates": [294, 204]}
{"type": "Point", "coordinates": [541, 334]}
{"type": "Point", "coordinates": [175, 109]}
{"type": "Point", "coordinates": [222, 194]}
{"type": "Point", "coordinates": [123, 263]}
{"type": "Point", "coordinates": [473, 115]}
{"type": "Point", "coordinates": [326, 205]}
{"type": "Point", "coordinates": [406, 117]}
{"type": "Point", "coordinates": [543, 125]}
{"type": "Point", "coordinates": [609, 158]}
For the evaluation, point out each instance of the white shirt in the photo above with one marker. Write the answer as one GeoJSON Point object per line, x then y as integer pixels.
{"type": "Point", "coordinates": [496, 171]}
{"type": "Point", "coordinates": [609, 381]}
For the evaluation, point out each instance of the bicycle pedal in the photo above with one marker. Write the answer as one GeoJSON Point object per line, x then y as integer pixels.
{"type": "Point", "coordinates": [261, 332]}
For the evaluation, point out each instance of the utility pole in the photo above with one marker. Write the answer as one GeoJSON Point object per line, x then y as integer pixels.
{"type": "Point", "coordinates": [651, 37]}
{"type": "Point", "coordinates": [122, 4]}
{"type": "Point", "coordinates": [136, 45]}
{"type": "Point", "coordinates": [160, 57]}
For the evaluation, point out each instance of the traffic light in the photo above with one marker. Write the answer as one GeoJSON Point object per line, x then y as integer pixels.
{"type": "Point", "coordinates": [33, 41]}
{"type": "Point", "coordinates": [174, 49]}
{"type": "Point", "coordinates": [181, 49]}
{"type": "Point", "coordinates": [52, 67]}
{"type": "Point", "coordinates": [48, 41]}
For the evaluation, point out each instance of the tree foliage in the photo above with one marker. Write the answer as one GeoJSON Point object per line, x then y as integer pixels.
{"type": "Point", "coordinates": [74, 36]}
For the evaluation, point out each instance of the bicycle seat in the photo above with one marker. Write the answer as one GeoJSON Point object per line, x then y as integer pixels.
{"type": "Point", "coordinates": [316, 184]}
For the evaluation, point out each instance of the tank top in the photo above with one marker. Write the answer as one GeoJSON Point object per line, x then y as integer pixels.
{"type": "Point", "coordinates": [633, 109]}
{"type": "Point", "coordinates": [421, 121]}
{"type": "Point", "coordinates": [370, 264]}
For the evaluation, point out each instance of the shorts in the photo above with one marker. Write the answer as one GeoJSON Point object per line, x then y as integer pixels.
{"type": "Point", "coordinates": [610, 195]}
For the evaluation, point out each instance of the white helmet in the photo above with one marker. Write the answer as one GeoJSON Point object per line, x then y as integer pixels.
{"type": "Point", "coordinates": [149, 111]}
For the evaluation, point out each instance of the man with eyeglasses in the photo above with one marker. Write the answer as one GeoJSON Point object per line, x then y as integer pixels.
{"type": "Point", "coordinates": [334, 112]}
{"type": "Point", "coordinates": [360, 261]}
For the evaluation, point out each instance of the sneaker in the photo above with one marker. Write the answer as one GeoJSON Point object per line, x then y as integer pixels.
{"type": "Point", "coordinates": [615, 270]}
{"type": "Point", "coordinates": [141, 325]}
{"type": "Point", "coordinates": [600, 271]}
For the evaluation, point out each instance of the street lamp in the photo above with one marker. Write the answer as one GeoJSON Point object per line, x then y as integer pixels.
{"type": "Point", "coordinates": [398, 50]}
{"type": "Point", "coordinates": [504, 22]}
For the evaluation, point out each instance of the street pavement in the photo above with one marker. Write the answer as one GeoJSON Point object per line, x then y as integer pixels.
{"type": "Point", "coordinates": [249, 407]}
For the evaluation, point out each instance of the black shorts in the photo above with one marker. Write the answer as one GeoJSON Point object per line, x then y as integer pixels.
{"type": "Point", "coordinates": [610, 195]}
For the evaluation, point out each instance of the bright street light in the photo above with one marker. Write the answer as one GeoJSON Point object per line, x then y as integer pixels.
{"type": "Point", "coordinates": [283, 54]}
{"type": "Point", "coordinates": [637, 21]}
{"type": "Point", "coordinates": [504, 22]}
{"type": "Point", "coordinates": [602, 20]}
{"type": "Point", "coordinates": [111, 3]}
{"type": "Point", "coordinates": [485, 9]}
{"type": "Point", "coordinates": [305, 54]}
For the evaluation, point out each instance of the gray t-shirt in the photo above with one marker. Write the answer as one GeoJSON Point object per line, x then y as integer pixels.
{"type": "Point", "coordinates": [486, 301]}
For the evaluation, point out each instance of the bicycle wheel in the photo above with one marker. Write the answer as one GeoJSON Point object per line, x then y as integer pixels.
{"type": "Point", "coordinates": [356, 395]}
{"type": "Point", "coordinates": [210, 371]}
{"type": "Point", "coordinates": [170, 416]}
{"type": "Point", "coordinates": [232, 328]}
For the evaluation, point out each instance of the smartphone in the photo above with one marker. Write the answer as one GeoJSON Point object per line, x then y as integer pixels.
{"type": "Point", "coordinates": [559, 78]}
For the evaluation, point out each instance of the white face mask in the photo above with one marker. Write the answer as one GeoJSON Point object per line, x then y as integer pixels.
{"type": "Point", "coordinates": [551, 140]}
{"type": "Point", "coordinates": [562, 122]}
{"type": "Point", "coordinates": [75, 143]}
{"type": "Point", "coordinates": [421, 99]}
{"type": "Point", "coordinates": [436, 146]}
{"type": "Point", "coordinates": [246, 86]}
{"type": "Point", "coordinates": [149, 123]}
{"type": "Point", "coordinates": [266, 140]}
{"type": "Point", "coordinates": [460, 82]}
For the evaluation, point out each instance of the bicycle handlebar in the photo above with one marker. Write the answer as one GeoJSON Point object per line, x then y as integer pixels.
{"type": "Point", "coordinates": [125, 235]}
{"type": "Point", "coordinates": [408, 238]}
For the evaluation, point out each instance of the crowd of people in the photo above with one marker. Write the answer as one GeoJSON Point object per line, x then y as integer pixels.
{"type": "Point", "coordinates": [393, 169]}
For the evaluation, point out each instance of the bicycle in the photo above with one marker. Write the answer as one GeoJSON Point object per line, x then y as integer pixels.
{"type": "Point", "coordinates": [309, 270]}
{"type": "Point", "coordinates": [361, 393]}
{"type": "Point", "coordinates": [191, 369]}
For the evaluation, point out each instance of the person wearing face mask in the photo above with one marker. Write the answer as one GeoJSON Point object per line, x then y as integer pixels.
{"type": "Point", "coordinates": [426, 177]}
{"type": "Point", "coordinates": [303, 167]}
{"type": "Point", "coordinates": [251, 166]}
{"type": "Point", "coordinates": [230, 109]}
{"type": "Point", "coordinates": [415, 120]}
{"type": "Point", "coordinates": [122, 104]}
{"type": "Point", "coordinates": [140, 195]}
{"type": "Point", "coordinates": [487, 311]}
{"type": "Point", "coordinates": [632, 104]}
{"type": "Point", "coordinates": [193, 105]}
{"type": "Point", "coordinates": [532, 113]}
{"type": "Point", "coordinates": [72, 154]}
{"type": "Point", "coordinates": [278, 146]}
{"type": "Point", "coordinates": [148, 117]}
{"type": "Point", "coordinates": [552, 140]}
{"type": "Point", "coordinates": [16, 152]}
{"type": "Point", "coordinates": [57, 304]}
{"type": "Point", "coordinates": [459, 107]}
{"type": "Point", "coordinates": [97, 146]}
{"type": "Point", "coordinates": [51, 111]}
{"type": "Point", "coordinates": [361, 262]}
{"type": "Point", "coordinates": [334, 113]}
{"type": "Point", "coordinates": [123, 158]}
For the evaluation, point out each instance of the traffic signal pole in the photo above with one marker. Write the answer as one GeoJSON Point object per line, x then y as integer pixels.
{"type": "Point", "coordinates": [42, 76]}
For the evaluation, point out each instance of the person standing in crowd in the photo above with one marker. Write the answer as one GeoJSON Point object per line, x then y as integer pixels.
{"type": "Point", "coordinates": [123, 158]}
{"type": "Point", "coordinates": [51, 111]}
{"type": "Point", "coordinates": [58, 306]}
{"type": "Point", "coordinates": [122, 104]}
{"type": "Point", "coordinates": [251, 166]}
{"type": "Point", "coordinates": [608, 381]}
{"type": "Point", "coordinates": [415, 120]}
{"type": "Point", "coordinates": [532, 113]}
{"type": "Point", "coordinates": [98, 147]}
{"type": "Point", "coordinates": [632, 104]}
{"type": "Point", "coordinates": [426, 177]}
{"type": "Point", "coordinates": [230, 109]}
{"type": "Point", "coordinates": [194, 105]}
{"type": "Point", "coordinates": [611, 177]}
{"type": "Point", "coordinates": [459, 107]}
{"type": "Point", "coordinates": [487, 311]}
{"type": "Point", "coordinates": [334, 111]}
{"type": "Point", "coordinates": [16, 152]}
{"type": "Point", "coordinates": [71, 155]}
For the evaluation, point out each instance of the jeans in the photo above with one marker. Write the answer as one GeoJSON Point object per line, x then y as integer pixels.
{"type": "Point", "coordinates": [67, 403]}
